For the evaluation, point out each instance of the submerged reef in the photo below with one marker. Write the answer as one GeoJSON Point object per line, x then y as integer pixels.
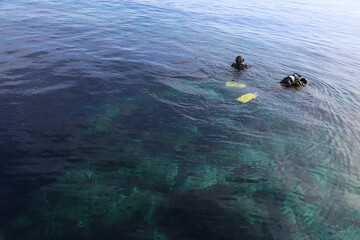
{"type": "Point", "coordinates": [154, 177]}
{"type": "Point", "coordinates": [86, 208]}
{"type": "Point", "coordinates": [159, 198]}
{"type": "Point", "coordinates": [211, 214]}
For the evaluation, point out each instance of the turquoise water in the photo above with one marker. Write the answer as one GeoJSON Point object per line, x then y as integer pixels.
{"type": "Point", "coordinates": [116, 121]}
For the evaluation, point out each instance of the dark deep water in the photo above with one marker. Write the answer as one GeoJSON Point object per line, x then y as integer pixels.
{"type": "Point", "coordinates": [116, 122]}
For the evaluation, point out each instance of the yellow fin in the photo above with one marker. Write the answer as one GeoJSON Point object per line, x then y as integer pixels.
{"type": "Point", "coordinates": [247, 97]}
{"type": "Point", "coordinates": [235, 84]}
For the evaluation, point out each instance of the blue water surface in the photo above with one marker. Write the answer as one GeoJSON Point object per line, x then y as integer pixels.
{"type": "Point", "coordinates": [116, 121]}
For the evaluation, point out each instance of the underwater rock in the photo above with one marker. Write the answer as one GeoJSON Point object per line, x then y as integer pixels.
{"type": "Point", "coordinates": [196, 89]}
{"type": "Point", "coordinates": [102, 121]}
{"type": "Point", "coordinates": [84, 219]}
{"type": "Point", "coordinates": [202, 177]}
{"type": "Point", "coordinates": [303, 219]}
{"type": "Point", "coordinates": [227, 124]}
{"type": "Point", "coordinates": [209, 214]}
{"type": "Point", "coordinates": [80, 224]}
{"type": "Point", "coordinates": [159, 235]}
{"type": "Point", "coordinates": [194, 129]}
{"type": "Point", "coordinates": [87, 204]}
{"type": "Point", "coordinates": [353, 200]}
{"type": "Point", "coordinates": [154, 173]}
{"type": "Point", "coordinates": [22, 223]}
{"type": "Point", "coordinates": [89, 174]}
{"type": "Point", "coordinates": [350, 233]}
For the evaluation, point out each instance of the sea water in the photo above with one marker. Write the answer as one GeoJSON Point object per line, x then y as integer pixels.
{"type": "Point", "coordinates": [116, 121]}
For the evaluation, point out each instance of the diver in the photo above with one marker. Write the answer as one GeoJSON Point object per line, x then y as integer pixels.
{"type": "Point", "coordinates": [239, 64]}
{"type": "Point", "coordinates": [294, 80]}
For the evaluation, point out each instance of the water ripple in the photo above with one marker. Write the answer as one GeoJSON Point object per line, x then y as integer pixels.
{"type": "Point", "coordinates": [116, 113]}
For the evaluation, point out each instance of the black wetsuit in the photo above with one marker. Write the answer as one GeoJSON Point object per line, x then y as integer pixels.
{"type": "Point", "coordinates": [294, 80]}
{"type": "Point", "coordinates": [239, 67]}
{"type": "Point", "coordinates": [239, 64]}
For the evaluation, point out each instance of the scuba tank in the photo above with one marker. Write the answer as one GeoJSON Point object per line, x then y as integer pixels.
{"type": "Point", "coordinates": [294, 80]}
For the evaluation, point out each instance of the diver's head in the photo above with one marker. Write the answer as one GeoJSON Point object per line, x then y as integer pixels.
{"type": "Point", "coordinates": [239, 60]}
